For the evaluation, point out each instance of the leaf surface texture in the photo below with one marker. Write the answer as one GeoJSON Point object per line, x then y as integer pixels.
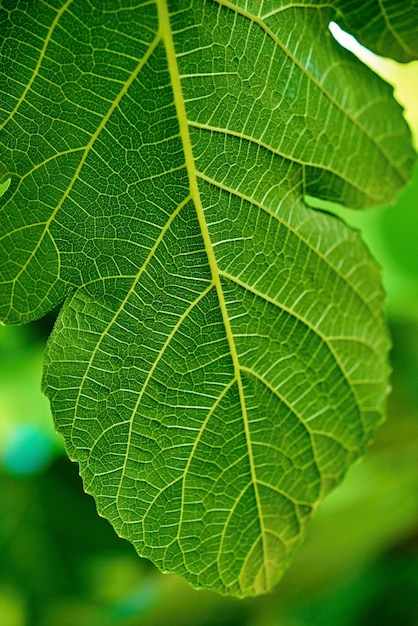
{"type": "Point", "coordinates": [220, 356]}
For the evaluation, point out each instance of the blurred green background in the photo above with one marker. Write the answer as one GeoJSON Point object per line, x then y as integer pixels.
{"type": "Point", "coordinates": [62, 565]}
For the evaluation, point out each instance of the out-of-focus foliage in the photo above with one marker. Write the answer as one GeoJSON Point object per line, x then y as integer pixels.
{"type": "Point", "coordinates": [27, 437]}
{"type": "Point", "coordinates": [62, 565]}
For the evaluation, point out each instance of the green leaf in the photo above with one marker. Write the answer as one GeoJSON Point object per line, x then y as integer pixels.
{"type": "Point", "coordinates": [220, 356]}
{"type": "Point", "coordinates": [387, 28]}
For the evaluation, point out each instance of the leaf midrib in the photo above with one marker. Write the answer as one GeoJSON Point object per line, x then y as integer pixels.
{"type": "Point", "coordinates": [167, 38]}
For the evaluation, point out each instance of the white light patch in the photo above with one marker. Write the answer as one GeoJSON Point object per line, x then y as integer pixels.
{"type": "Point", "coordinates": [350, 43]}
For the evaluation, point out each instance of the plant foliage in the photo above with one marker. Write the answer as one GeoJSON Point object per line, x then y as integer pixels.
{"type": "Point", "coordinates": [220, 357]}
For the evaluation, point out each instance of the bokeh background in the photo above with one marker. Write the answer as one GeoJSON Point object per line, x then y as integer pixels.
{"type": "Point", "coordinates": [62, 565]}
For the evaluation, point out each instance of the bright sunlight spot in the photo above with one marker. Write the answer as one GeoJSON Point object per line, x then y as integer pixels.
{"type": "Point", "coordinates": [403, 77]}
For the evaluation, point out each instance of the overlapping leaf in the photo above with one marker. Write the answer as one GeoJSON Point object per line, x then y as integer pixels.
{"type": "Point", "coordinates": [220, 356]}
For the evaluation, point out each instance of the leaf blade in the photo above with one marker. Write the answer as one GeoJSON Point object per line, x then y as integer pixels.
{"type": "Point", "coordinates": [221, 358]}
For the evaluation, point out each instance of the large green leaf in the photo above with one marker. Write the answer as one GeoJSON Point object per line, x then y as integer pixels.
{"type": "Point", "coordinates": [220, 356]}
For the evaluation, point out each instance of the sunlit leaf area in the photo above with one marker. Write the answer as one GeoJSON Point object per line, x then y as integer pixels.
{"type": "Point", "coordinates": [63, 565]}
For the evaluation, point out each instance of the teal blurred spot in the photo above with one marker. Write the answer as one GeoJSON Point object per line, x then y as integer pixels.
{"type": "Point", "coordinates": [137, 603]}
{"type": "Point", "coordinates": [28, 450]}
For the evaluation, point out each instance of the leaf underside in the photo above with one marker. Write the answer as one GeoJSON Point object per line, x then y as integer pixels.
{"type": "Point", "coordinates": [220, 356]}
